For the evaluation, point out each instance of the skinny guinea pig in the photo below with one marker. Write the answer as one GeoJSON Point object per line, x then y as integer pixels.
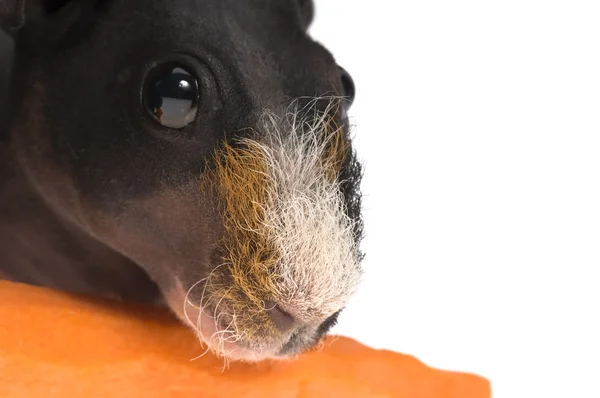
{"type": "Point", "coordinates": [194, 154]}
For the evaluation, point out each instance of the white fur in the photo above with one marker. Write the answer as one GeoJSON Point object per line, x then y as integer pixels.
{"type": "Point", "coordinates": [307, 221]}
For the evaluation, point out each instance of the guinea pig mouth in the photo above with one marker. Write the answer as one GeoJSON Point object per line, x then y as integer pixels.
{"type": "Point", "coordinates": [219, 334]}
{"type": "Point", "coordinates": [222, 333]}
{"type": "Point", "coordinates": [221, 337]}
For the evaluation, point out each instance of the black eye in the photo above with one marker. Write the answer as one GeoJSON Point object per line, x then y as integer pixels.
{"type": "Point", "coordinates": [171, 95]}
{"type": "Point", "coordinates": [348, 85]}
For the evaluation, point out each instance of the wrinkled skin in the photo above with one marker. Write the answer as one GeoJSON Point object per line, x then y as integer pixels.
{"type": "Point", "coordinates": [98, 197]}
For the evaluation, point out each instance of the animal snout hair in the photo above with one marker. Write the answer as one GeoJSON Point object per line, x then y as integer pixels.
{"type": "Point", "coordinates": [288, 236]}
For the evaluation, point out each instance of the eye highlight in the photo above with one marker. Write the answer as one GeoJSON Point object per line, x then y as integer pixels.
{"type": "Point", "coordinates": [171, 95]}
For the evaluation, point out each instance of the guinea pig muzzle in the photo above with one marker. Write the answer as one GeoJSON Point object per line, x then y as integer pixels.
{"type": "Point", "coordinates": [288, 258]}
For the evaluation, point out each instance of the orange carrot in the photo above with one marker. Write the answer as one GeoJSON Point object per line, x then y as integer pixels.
{"type": "Point", "coordinates": [54, 344]}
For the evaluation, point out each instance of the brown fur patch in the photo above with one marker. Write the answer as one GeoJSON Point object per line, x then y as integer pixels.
{"type": "Point", "coordinates": [240, 178]}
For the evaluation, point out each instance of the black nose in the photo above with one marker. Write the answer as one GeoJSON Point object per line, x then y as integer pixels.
{"type": "Point", "coordinates": [281, 319]}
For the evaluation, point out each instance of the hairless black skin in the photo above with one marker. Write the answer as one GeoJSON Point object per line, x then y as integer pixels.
{"type": "Point", "coordinates": [76, 142]}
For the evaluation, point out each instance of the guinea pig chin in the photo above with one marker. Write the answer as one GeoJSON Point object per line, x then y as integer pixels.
{"type": "Point", "coordinates": [287, 242]}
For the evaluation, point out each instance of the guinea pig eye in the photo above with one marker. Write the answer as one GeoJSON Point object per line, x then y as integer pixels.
{"type": "Point", "coordinates": [171, 95]}
{"type": "Point", "coordinates": [348, 85]}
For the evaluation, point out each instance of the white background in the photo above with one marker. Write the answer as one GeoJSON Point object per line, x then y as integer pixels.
{"type": "Point", "coordinates": [479, 126]}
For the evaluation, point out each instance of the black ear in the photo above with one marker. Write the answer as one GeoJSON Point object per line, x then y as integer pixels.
{"type": "Point", "coordinates": [307, 12]}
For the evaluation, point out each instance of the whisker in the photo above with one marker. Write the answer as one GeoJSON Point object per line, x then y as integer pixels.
{"type": "Point", "coordinates": [207, 350]}
{"type": "Point", "coordinates": [186, 301]}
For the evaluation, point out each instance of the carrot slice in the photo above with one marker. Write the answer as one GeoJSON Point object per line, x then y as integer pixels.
{"type": "Point", "coordinates": [55, 344]}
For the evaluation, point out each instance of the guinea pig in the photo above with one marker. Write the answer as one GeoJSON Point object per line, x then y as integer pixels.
{"type": "Point", "coordinates": [195, 154]}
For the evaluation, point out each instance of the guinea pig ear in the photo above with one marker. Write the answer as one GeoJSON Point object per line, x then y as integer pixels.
{"type": "Point", "coordinates": [307, 12]}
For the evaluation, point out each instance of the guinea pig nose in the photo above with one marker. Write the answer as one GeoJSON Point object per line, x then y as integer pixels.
{"type": "Point", "coordinates": [282, 320]}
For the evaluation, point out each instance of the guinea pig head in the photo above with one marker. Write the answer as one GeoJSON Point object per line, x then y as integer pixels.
{"type": "Point", "coordinates": [208, 142]}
